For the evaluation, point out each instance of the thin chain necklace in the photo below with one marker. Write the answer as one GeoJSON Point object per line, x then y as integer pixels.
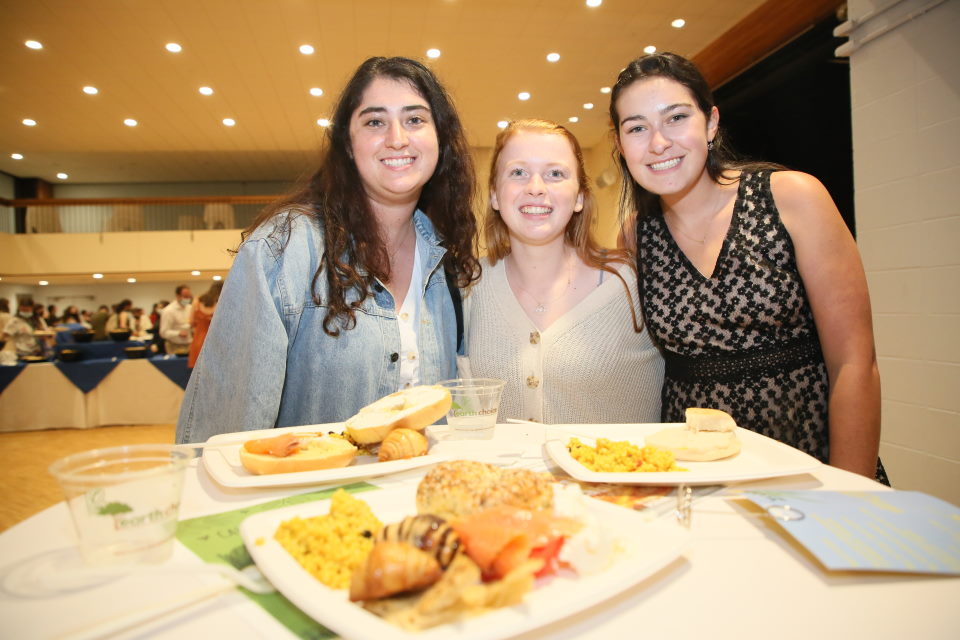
{"type": "Point", "coordinates": [703, 240]}
{"type": "Point", "coordinates": [542, 305]}
{"type": "Point", "coordinates": [400, 246]}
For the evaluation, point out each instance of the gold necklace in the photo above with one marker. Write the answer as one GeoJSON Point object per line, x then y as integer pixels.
{"type": "Point", "coordinates": [400, 246]}
{"type": "Point", "coordinates": [716, 212]}
{"type": "Point", "coordinates": [680, 229]}
{"type": "Point", "coordinates": [541, 306]}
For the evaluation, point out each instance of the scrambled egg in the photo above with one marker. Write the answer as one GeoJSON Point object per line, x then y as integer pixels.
{"type": "Point", "coordinates": [621, 456]}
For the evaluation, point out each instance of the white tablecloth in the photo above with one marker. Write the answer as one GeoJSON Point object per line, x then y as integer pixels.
{"type": "Point", "coordinates": [740, 577]}
{"type": "Point", "coordinates": [135, 392]}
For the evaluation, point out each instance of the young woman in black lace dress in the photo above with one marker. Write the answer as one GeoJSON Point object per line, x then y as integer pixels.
{"type": "Point", "coordinates": [750, 281]}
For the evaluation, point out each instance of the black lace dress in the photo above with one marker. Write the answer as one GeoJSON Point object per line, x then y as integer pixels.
{"type": "Point", "coordinates": [742, 340]}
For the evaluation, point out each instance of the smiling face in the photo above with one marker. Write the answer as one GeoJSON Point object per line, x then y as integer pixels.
{"type": "Point", "coordinates": [663, 135]}
{"type": "Point", "coordinates": [537, 187]}
{"type": "Point", "coordinates": [393, 142]}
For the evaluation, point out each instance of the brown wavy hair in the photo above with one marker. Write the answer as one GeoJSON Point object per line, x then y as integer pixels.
{"type": "Point", "coordinates": [635, 201]}
{"type": "Point", "coordinates": [354, 254]}
{"type": "Point", "coordinates": [579, 231]}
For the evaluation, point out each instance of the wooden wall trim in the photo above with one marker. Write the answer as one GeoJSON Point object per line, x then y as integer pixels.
{"type": "Point", "coordinates": [763, 31]}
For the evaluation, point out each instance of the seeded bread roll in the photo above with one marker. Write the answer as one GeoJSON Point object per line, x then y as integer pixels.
{"type": "Point", "coordinates": [459, 488]}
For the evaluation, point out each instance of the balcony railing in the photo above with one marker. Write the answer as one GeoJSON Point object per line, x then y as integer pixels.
{"type": "Point", "coordinates": [97, 215]}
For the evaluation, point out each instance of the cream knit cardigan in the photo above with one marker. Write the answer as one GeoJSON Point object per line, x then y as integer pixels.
{"type": "Point", "coordinates": [589, 366]}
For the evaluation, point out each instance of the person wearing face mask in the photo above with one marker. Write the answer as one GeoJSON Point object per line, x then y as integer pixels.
{"type": "Point", "coordinates": [750, 281]}
{"type": "Point", "coordinates": [175, 322]}
{"type": "Point", "coordinates": [344, 292]}
{"type": "Point", "coordinates": [554, 314]}
{"type": "Point", "coordinates": [18, 333]}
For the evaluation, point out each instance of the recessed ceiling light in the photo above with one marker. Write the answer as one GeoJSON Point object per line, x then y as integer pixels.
{"type": "Point", "coordinates": [649, 49]}
{"type": "Point", "coordinates": [553, 57]}
{"type": "Point", "coordinates": [131, 280]}
{"type": "Point", "coordinates": [502, 124]}
{"type": "Point", "coordinates": [97, 276]}
{"type": "Point", "coordinates": [33, 44]}
{"type": "Point", "coordinates": [594, 3]}
{"type": "Point", "coordinates": [16, 156]}
{"type": "Point", "coordinates": [433, 53]}
{"type": "Point", "coordinates": [316, 91]}
{"type": "Point", "coordinates": [573, 119]}
{"type": "Point", "coordinates": [323, 122]}
{"type": "Point", "coordinates": [62, 175]}
{"type": "Point", "coordinates": [173, 47]}
{"type": "Point", "coordinates": [678, 23]}
{"type": "Point", "coordinates": [130, 122]}
{"type": "Point", "coordinates": [604, 89]}
{"type": "Point", "coordinates": [91, 91]}
{"type": "Point", "coordinates": [30, 122]}
{"type": "Point", "coordinates": [588, 105]}
{"type": "Point", "coordinates": [43, 283]}
{"type": "Point", "coordinates": [306, 49]}
{"type": "Point", "coordinates": [229, 122]}
{"type": "Point", "coordinates": [207, 91]}
{"type": "Point", "coordinates": [218, 278]}
{"type": "Point", "coordinates": [524, 95]}
{"type": "Point", "coordinates": [194, 273]}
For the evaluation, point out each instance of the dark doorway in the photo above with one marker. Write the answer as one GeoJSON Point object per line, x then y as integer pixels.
{"type": "Point", "coordinates": [793, 108]}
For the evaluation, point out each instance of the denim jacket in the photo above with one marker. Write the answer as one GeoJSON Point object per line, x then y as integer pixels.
{"type": "Point", "coordinates": [266, 361]}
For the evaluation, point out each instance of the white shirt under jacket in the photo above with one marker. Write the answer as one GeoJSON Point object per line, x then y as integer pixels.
{"type": "Point", "coordinates": [589, 366]}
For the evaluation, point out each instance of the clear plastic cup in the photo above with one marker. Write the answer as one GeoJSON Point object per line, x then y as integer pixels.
{"type": "Point", "coordinates": [476, 401]}
{"type": "Point", "coordinates": [125, 501]}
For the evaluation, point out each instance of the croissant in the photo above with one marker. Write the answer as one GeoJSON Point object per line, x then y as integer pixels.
{"type": "Point", "coordinates": [427, 532]}
{"type": "Point", "coordinates": [393, 567]}
{"type": "Point", "coordinates": [401, 444]}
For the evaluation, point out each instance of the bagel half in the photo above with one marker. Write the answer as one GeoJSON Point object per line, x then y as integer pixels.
{"type": "Point", "coordinates": [710, 434]}
{"type": "Point", "coordinates": [414, 408]}
{"type": "Point", "coordinates": [314, 453]}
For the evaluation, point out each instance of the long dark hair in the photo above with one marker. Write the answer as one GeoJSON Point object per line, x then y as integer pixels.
{"type": "Point", "coordinates": [212, 295]}
{"type": "Point", "coordinates": [634, 199]}
{"type": "Point", "coordinates": [354, 253]}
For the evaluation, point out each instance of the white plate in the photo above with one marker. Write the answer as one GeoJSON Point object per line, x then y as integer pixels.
{"type": "Point", "coordinates": [651, 545]}
{"type": "Point", "coordinates": [759, 457]}
{"type": "Point", "coordinates": [223, 462]}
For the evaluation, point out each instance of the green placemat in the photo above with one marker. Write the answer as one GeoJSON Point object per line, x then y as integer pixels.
{"type": "Point", "coordinates": [216, 538]}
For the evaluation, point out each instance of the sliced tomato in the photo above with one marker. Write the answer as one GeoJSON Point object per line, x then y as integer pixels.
{"type": "Point", "coordinates": [549, 553]}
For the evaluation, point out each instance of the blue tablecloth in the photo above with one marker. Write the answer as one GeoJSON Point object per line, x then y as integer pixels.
{"type": "Point", "coordinates": [174, 367]}
{"type": "Point", "coordinates": [8, 374]}
{"type": "Point", "coordinates": [66, 337]}
{"type": "Point", "coordinates": [87, 374]}
{"type": "Point", "coordinates": [102, 349]}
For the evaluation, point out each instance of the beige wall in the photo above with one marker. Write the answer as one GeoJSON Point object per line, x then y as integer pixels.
{"type": "Point", "coordinates": [906, 138]}
{"type": "Point", "coordinates": [51, 253]}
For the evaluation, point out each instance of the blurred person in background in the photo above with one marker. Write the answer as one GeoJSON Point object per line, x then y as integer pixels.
{"type": "Point", "coordinates": [98, 322]}
{"type": "Point", "coordinates": [175, 323]}
{"type": "Point", "coordinates": [140, 325]}
{"type": "Point", "coordinates": [52, 318]}
{"type": "Point", "coordinates": [18, 332]}
{"type": "Point", "coordinates": [203, 309]}
{"type": "Point", "coordinates": [121, 318]}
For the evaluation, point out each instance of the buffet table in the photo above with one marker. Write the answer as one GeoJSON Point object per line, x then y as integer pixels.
{"type": "Point", "coordinates": [738, 577]}
{"type": "Point", "coordinates": [92, 393]}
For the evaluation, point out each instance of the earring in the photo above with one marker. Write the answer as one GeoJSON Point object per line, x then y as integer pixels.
{"type": "Point", "coordinates": [710, 146]}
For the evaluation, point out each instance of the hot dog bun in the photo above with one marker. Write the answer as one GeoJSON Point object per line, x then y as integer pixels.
{"type": "Point", "coordinates": [414, 408]}
{"type": "Point", "coordinates": [710, 434]}
{"type": "Point", "coordinates": [319, 452]}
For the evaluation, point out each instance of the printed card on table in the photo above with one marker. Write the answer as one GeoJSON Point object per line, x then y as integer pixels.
{"type": "Point", "coordinates": [900, 531]}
